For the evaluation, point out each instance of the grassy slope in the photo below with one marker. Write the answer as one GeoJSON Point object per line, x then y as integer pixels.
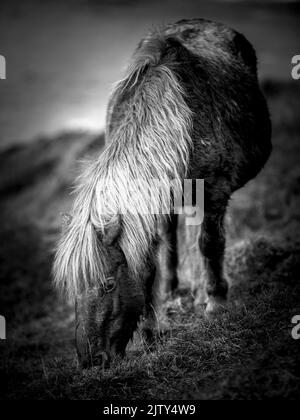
{"type": "Point", "coordinates": [248, 353]}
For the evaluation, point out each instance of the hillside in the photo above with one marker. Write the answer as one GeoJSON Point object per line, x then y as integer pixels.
{"type": "Point", "coordinates": [248, 353]}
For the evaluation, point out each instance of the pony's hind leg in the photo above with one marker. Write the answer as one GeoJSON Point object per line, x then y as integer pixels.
{"type": "Point", "coordinates": [212, 247]}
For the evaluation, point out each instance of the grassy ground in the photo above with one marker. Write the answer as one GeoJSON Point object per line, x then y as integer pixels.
{"type": "Point", "coordinates": [248, 353]}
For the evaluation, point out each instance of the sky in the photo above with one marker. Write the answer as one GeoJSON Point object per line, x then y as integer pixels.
{"type": "Point", "coordinates": [64, 56]}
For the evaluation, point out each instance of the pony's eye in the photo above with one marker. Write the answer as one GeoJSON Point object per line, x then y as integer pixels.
{"type": "Point", "coordinates": [110, 285]}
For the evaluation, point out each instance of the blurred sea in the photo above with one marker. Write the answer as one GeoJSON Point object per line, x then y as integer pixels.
{"type": "Point", "coordinates": [63, 57]}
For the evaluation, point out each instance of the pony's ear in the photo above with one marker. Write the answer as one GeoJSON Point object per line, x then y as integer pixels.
{"type": "Point", "coordinates": [112, 232]}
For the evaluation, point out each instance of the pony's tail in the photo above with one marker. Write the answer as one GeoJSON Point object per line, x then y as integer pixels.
{"type": "Point", "coordinates": [78, 263]}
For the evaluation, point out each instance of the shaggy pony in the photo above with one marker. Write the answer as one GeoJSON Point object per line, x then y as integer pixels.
{"type": "Point", "coordinates": [189, 107]}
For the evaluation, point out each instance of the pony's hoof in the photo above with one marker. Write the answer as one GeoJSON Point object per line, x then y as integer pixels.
{"type": "Point", "coordinates": [215, 306]}
{"type": "Point", "coordinates": [201, 298]}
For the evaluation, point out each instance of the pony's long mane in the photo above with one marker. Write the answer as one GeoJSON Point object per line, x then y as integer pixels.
{"type": "Point", "coordinates": [148, 136]}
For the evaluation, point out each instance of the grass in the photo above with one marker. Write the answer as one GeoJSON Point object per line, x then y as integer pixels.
{"type": "Point", "coordinates": [248, 353]}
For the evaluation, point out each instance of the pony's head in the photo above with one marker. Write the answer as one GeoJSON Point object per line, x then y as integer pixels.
{"type": "Point", "coordinates": [108, 307]}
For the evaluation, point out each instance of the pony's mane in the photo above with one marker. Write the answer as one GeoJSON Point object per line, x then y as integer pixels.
{"type": "Point", "coordinates": [149, 140]}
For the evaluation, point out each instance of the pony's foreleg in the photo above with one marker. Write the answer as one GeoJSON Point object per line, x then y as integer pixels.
{"type": "Point", "coordinates": [212, 247]}
{"type": "Point", "coordinates": [149, 321]}
{"type": "Point", "coordinates": [169, 261]}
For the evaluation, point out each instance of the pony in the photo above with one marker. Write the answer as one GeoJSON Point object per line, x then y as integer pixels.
{"type": "Point", "coordinates": [189, 107]}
